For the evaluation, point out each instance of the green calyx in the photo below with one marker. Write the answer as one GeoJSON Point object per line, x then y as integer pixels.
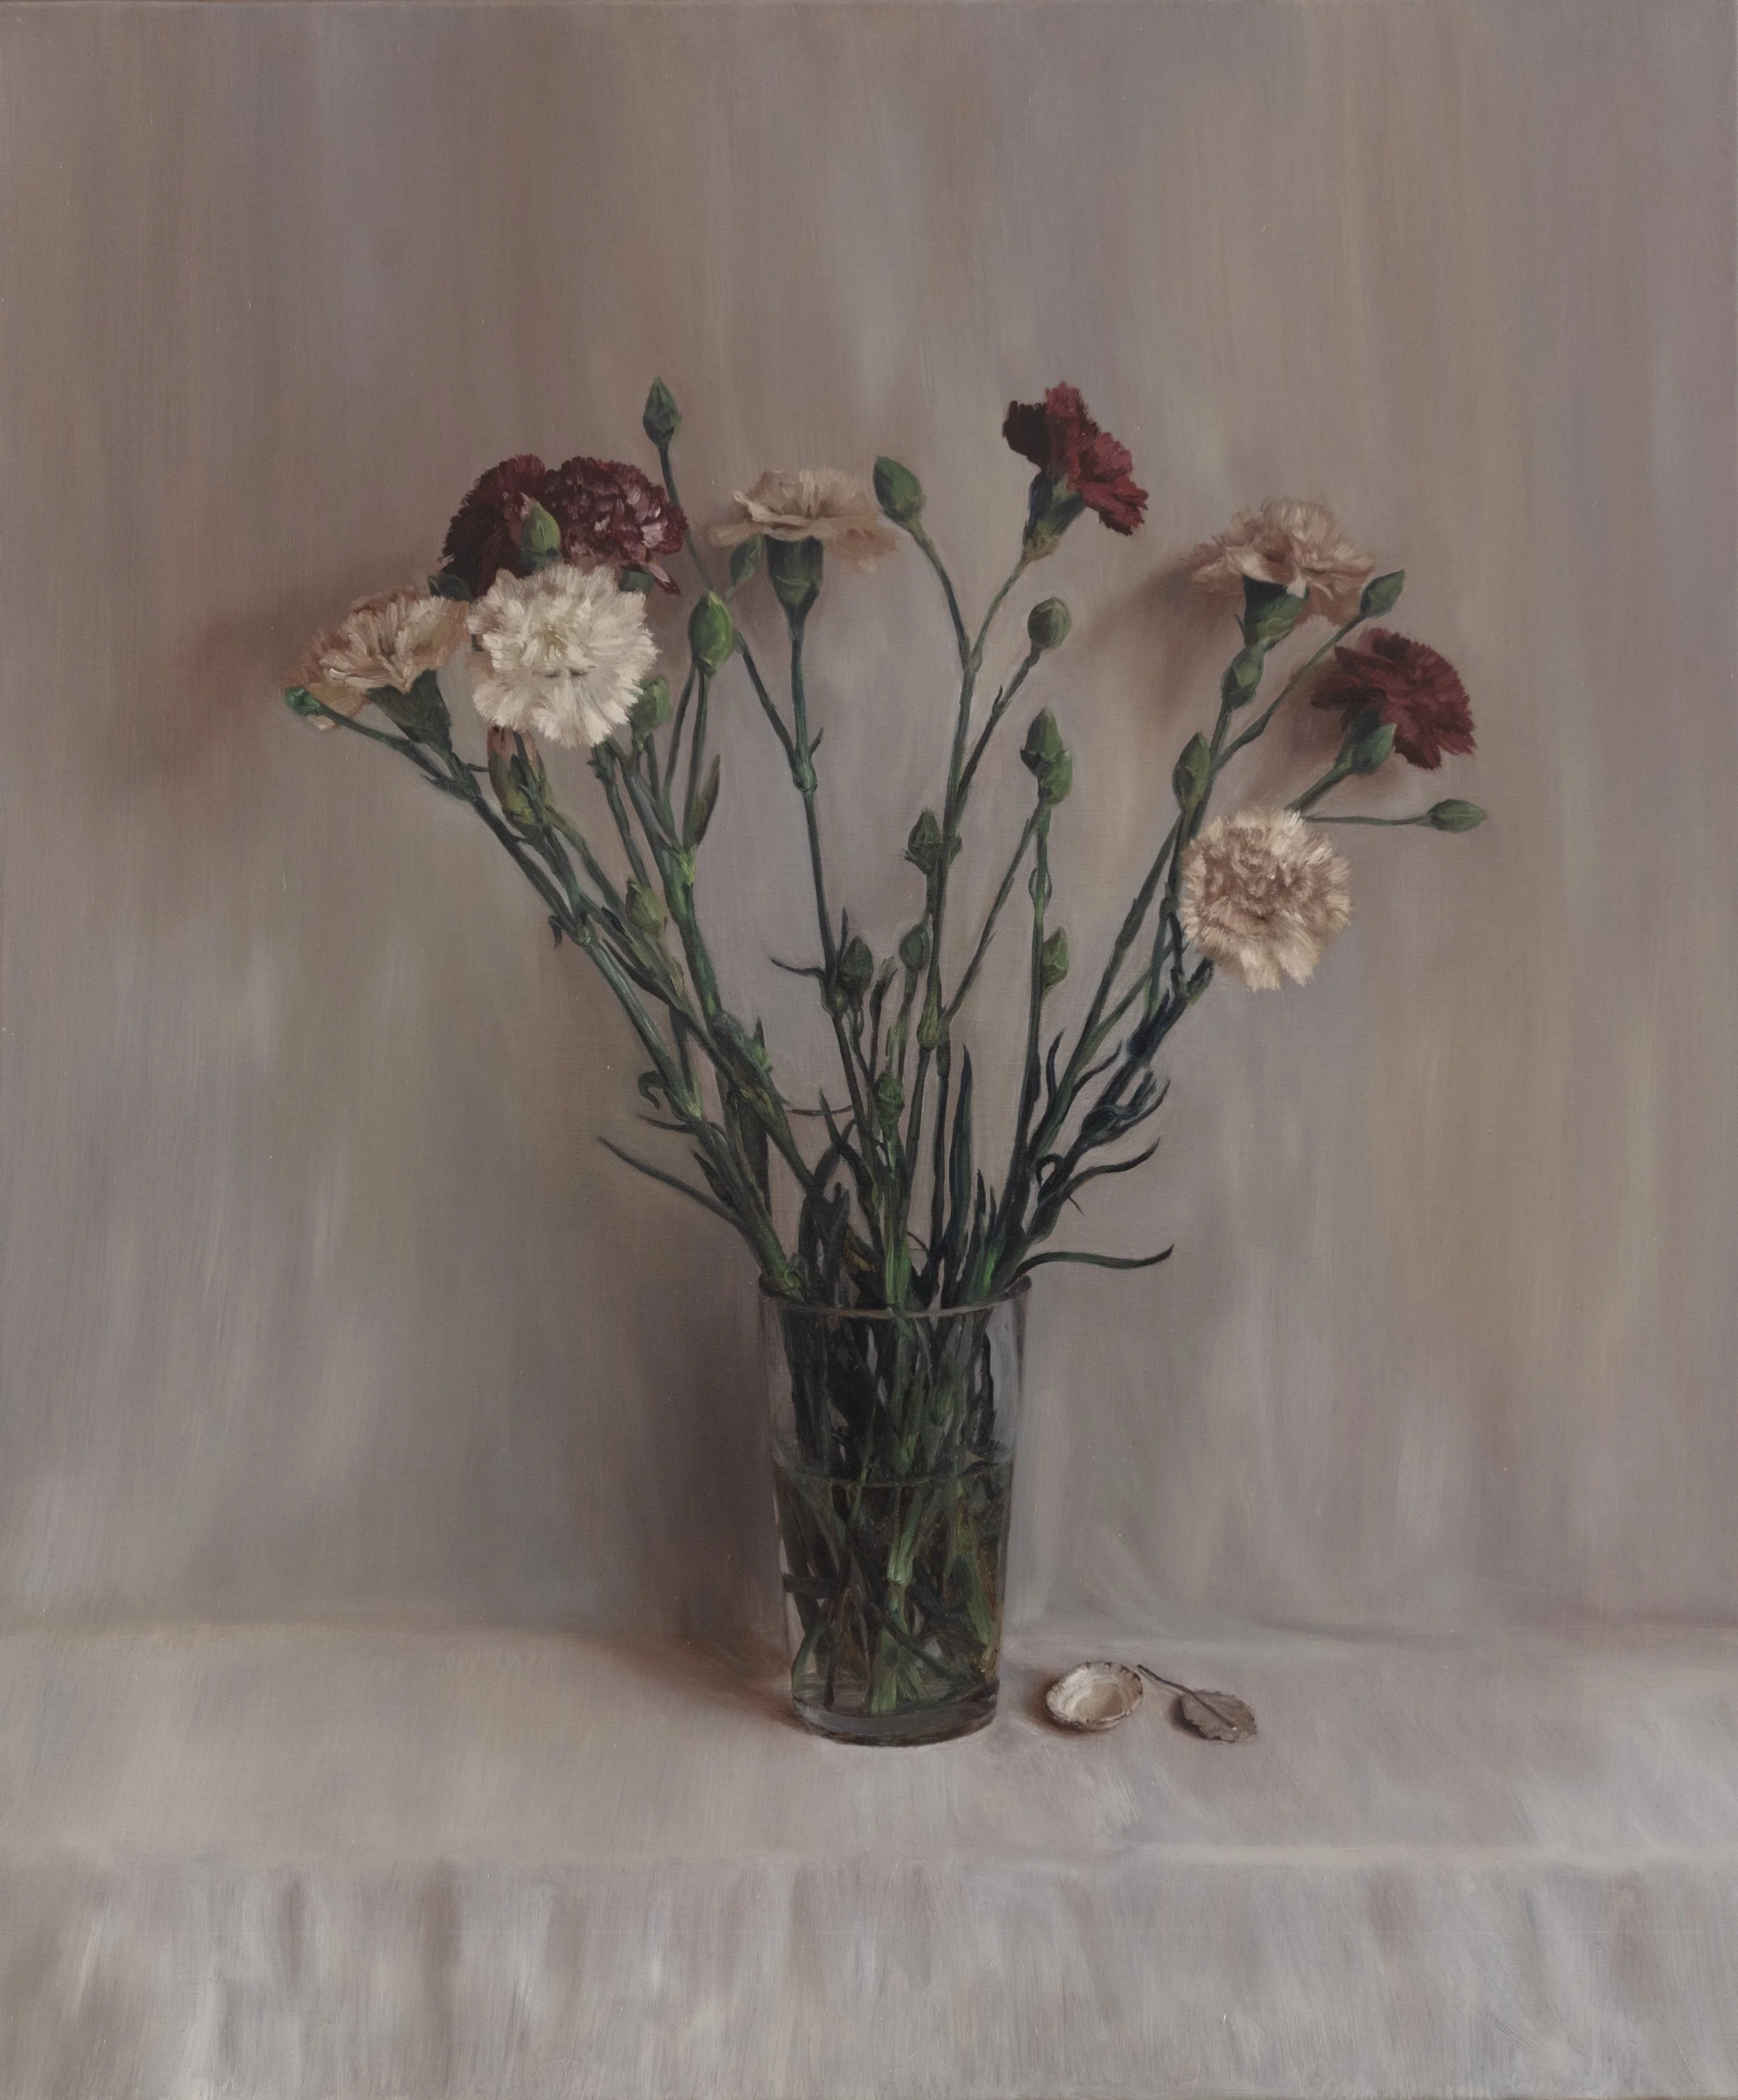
{"type": "Point", "coordinates": [856, 967]}
{"type": "Point", "coordinates": [300, 701]}
{"type": "Point", "coordinates": [889, 1101]}
{"type": "Point", "coordinates": [923, 848]}
{"type": "Point", "coordinates": [517, 774]}
{"type": "Point", "coordinates": [650, 712]}
{"type": "Point", "coordinates": [1456, 816]}
{"type": "Point", "coordinates": [1052, 507]}
{"type": "Point", "coordinates": [711, 633]}
{"type": "Point", "coordinates": [913, 949]}
{"type": "Point", "coordinates": [1382, 594]}
{"type": "Point", "coordinates": [662, 419]}
{"type": "Point", "coordinates": [1048, 623]}
{"type": "Point", "coordinates": [1046, 757]}
{"type": "Point", "coordinates": [795, 566]}
{"type": "Point", "coordinates": [898, 492]}
{"type": "Point", "coordinates": [422, 712]}
{"type": "Point", "coordinates": [1270, 612]}
{"type": "Point", "coordinates": [1369, 745]}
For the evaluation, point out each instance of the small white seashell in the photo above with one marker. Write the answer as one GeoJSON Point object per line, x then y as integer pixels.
{"type": "Point", "coordinates": [1096, 1695]}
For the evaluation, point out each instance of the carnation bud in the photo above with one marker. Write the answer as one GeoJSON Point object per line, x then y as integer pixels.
{"type": "Point", "coordinates": [645, 909]}
{"type": "Point", "coordinates": [1046, 624]}
{"type": "Point", "coordinates": [1045, 757]}
{"type": "Point", "coordinates": [930, 1023]}
{"type": "Point", "coordinates": [913, 950]}
{"type": "Point", "coordinates": [539, 537]}
{"type": "Point", "coordinates": [651, 711]}
{"type": "Point", "coordinates": [300, 701]}
{"type": "Point", "coordinates": [1053, 963]}
{"type": "Point", "coordinates": [856, 966]}
{"type": "Point", "coordinates": [516, 774]}
{"type": "Point", "coordinates": [711, 634]}
{"type": "Point", "coordinates": [1191, 772]}
{"type": "Point", "coordinates": [1382, 594]}
{"type": "Point", "coordinates": [662, 418]}
{"type": "Point", "coordinates": [898, 492]}
{"type": "Point", "coordinates": [1369, 747]}
{"type": "Point", "coordinates": [795, 566]}
{"type": "Point", "coordinates": [1243, 675]}
{"type": "Point", "coordinates": [889, 1099]}
{"type": "Point", "coordinates": [923, 848]}
{"type": "Point", "coordinates": [1456, 816]}
{"type": "Point", "coordinates": [1270, 611]}
{"type": "Point", "coordinates": [706, 802]}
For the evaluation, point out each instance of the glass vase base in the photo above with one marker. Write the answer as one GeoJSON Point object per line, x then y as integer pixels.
{"type": "Point", "coordinates": [905, 1727]}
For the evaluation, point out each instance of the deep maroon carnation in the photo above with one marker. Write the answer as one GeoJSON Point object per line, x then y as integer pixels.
{"type": "Point", "coordinates": [610, 513]}
{"type": "Point", "coordinates": [1403, 681]}
{"type": "Point", "coordinates": [484, 538]}
{"type": "Point", "coordinates": [1063, 442]}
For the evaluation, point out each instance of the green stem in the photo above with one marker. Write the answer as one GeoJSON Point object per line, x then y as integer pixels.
{"type": "Point", "coordinates": [1002, 896]}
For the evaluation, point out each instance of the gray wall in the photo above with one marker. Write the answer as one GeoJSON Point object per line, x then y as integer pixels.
{"type": "Point", "coordinates": [318, 1295]}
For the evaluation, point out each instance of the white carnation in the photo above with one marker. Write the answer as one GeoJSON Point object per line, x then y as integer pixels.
{"type": "Point", "coordinates": [563, 651]}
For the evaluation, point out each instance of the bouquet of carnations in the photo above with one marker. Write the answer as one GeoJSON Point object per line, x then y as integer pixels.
{"type": "Point", "coordinates": [888, 1246]}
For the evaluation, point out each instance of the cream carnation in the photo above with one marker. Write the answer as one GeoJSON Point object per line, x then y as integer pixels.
{"type": "Point", "coordinates": [564, 653]}
{"type": "Point", "coordinates": [1296, 544]}
{"type": "Point", "coordinates": [1263, 894]}
{"type": "Point", "coordinates": [813, 504]}
{"type": "Point", "coordinates": [389, 640]}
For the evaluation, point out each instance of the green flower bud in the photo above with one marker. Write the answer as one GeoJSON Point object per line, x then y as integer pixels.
{"type": "Point", "coordinates": [929, 1022]}
{"type": "Point", "coordinates": [516, 774]}
{"type": "Point", "coordinates": [1191, 772]}
{"type": "Point", "coordinates": [300, 701]}
{"type": "Point", "coordinates": [1369, 747]}
{"type": "Point", "coordinates": [855, 968]}
{"type": "Point", "coordinates": [923, 848]}
{"type": "Point", "coordinates": [1243, 675]}
{"type": "Point", "coordinates": [1382, 594]}
{"type": "Point", "coordinates": [711, 634]}
{"type": "Point", "coordinates": [795, 566]}
{"type": "Point", "coordinates": [645, 909]}
{"type": "Point", "coordinates": [1052, 964]}
{"type": "Point", "coordinates": [1045, 756]}
{"type": "Point", "coordinates": [539, 538]}
{"type": "Point", "coordinates": [898, 492]}
{"type": "Point", "coordinates": [1270, 611]}
{"type": "Point", "coordinates": [1456, 816]}
{"type": "Point", "coordinates": [651, 711]}
{"type": "Point", "coordinates": [662, 418]}
{"type": "Point", "coordinates": [889, 1100]}
{"type": "Point", "coordinates": [913, 950]}
{"type": "Point", "coordinates": [745, 558]}
{"type": "Point", "coordinates": [706, 802]}
{"type": "Point", "coordinates": [1046, 624]}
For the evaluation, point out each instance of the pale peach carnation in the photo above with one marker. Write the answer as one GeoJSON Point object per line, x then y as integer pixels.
{"type": "Point", "coordinates": [389, 639]}
{"type": "Point", "coordinates": [562, 652]}
{"type": "Point", "coordinates": [1296, 544]}
{"type": "Point", "coordinates": [813, 504]}
{"type": "Point", "coordinates": [1263, 894]}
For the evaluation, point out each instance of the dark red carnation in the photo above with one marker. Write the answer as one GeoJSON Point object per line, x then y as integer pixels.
{"type": "Point", "coordinates": [609, 513]}
{"type": "Point", "coordinates": [1407, 683]}
{"type": "Point", "coordinates": [484, 538]}
{"type": "Point", "coordinates": [1063, 443]}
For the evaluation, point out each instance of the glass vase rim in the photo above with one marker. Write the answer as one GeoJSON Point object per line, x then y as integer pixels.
{"type": "Point", "coordinates": [1017, 1293]}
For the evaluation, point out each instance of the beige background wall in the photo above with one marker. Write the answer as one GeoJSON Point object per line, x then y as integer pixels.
{"type": "Point", "coordinates": [318, 1294]}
